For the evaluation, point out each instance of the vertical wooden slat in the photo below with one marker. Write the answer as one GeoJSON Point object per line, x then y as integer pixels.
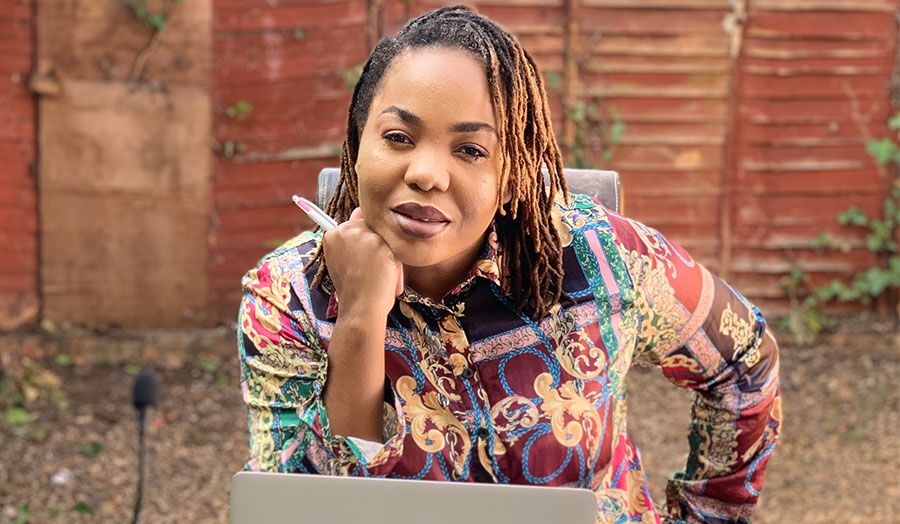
{"type": "Point", "coordinates": [571, 61]}
{"type": "Point", "coordinates": [730, 151]}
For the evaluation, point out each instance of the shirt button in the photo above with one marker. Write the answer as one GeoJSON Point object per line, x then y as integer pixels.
{"type": "Point", "coordinates": [467, 373]}
{"type": "Point", "coordinates": [483, 433]}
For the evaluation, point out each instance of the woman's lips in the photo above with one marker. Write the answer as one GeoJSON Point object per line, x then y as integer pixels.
{"type": "Point", "coordinates": [420, 212]}
{"type": "Point", "coordinates": [419, 221]}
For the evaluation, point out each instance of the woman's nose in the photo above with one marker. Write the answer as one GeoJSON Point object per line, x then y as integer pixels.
{"type": "Point", "coordinates": [428, 172]}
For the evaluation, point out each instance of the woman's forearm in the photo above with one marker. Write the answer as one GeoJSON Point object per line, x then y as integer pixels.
{"type": "Point", "coordinates": [354, 390]}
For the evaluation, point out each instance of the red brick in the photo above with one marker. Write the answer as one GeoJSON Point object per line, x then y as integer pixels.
{"type": "Point", "coordinates": [16, 9]}
{"type": "Point", "coordinates": [18, 219]}
{"type": "Point", "coordinates": [18, 196]}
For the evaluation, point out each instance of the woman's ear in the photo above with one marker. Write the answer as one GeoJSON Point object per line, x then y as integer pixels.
{"type": "Point", "coordinates": [506, 194]}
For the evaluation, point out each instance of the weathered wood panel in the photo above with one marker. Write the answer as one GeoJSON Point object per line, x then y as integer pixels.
{"type": "Point", "coordinates": [124, 164]}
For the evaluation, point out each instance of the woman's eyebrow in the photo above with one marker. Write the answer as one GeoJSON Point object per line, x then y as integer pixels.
{"type": "Point", "coordinates": [471, 127]}
{"type": "Point", "coordinates": [407, 116]}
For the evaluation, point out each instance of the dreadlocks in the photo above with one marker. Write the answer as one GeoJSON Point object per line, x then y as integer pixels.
{"type": "Point", "coordinates": [531, 259]}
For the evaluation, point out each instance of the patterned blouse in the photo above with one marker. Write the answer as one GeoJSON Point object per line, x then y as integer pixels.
{"type": "Point", "coordinates": [479, 393]}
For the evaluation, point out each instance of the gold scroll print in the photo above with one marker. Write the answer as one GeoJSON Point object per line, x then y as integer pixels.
{"type": "Point", "coordinates": [740, 330]}
{"type": "Point", "coordinates": [584, 421]}
{"type": "Point", "coordinates": [655, 302]}
{"type": "Point", "coordinates": [515, 412]}
{"type": "Point", "coordinates": [717, 450]}
{"type": "Point", "coordinates": [562, 226]}
{"type": "Point", "coordinates": [432, 363]}
{"type": "Point", "coordinates": [574, 350]}
{"type": "Point", "coordinates": [489, 268]}
{"type": "Point", "coordinates": [446, 430]}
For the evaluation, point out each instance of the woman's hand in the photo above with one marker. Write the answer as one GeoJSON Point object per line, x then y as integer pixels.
{"type": "Point", "coordinates": [367, 278]}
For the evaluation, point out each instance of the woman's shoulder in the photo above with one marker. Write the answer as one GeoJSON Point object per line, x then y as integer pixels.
{"type": "Point", "coordinates": [580, 213]}
{"type": "Point", "coordinates": [291, 257]}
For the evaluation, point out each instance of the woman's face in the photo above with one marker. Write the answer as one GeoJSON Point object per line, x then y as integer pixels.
{"type": "Point", "coordinates": [428, 161]}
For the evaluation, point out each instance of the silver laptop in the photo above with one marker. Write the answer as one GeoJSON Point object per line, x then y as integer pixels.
{"type": "Point", "coordinates": [313, 499]}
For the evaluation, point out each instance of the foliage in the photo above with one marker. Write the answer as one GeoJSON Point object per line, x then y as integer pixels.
{"type": "Point", "coordinates": [82, 508]}
{"type": "Point", "coordinates": [17, 416]}
{"type": "Point", "coordinates": [240, 110]}
{"type": "Point", "coordinates": [588, 118]}
{"type": "Point", "coordinates": [805, 320]}
{"type": "Point", "coordinates": [22, 514]}
{"type": "Point", "coordinates": [27, 383]}
{"type": "Point", "coordinates": [90, 449]}
{"type": "Point", "coordinates": [232, 147]}
{"type": "Point", "coordinates": [351, 76]}
{"type": "Point", "coordinates": [553, 80]}
{"type": "Point", "coordinates": [154, 20]}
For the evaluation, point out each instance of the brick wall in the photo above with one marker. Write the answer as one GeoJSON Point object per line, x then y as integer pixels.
{"type": "Point", "coordinates": [18, 187]}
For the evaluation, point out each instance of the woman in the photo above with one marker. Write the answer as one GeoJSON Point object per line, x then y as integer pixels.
{"type": "Point", "coordinates": [465, 322]}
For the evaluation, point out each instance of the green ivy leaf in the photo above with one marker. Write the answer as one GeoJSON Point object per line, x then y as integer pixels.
{"type": "Point", "coordinates": [554, 80]}
{"type": "Point", "coordinates": [208, 365]}
{"type": "Point", "coordinates": [884, 150]}
{"type": "Point", "coordinates": [618, 130]}
{"type": "Point", "coordinates": [894, 122]}
{"type": "Point", "coordinates": [22, 514]}
{"type": "Point", "coordinates": [16, 416]}
{"type": "Point", "coordinates": [853, 216]}
{"type": "Point", "coordinates": [90, 449]}
{"type": "Point", "coordinates": [83, 509]}
{"type": "Point", "coordinates": [351, 77]}
{"type": "Point", "coordinates": [821, 242]}
{"type": "Point", "coordinates": [239, 110]}
{"type": "Point", "coordinates": [155, 21]}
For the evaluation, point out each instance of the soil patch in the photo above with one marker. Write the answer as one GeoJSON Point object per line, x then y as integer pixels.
{"type": "Point", "coordinates": [72, 458]}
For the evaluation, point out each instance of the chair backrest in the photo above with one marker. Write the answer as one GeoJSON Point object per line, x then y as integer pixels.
{"type": "Point", "coordinates": [603, 186]}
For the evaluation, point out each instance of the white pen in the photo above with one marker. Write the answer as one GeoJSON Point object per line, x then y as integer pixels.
{"type": "Point", "coordinates": [315, 213]}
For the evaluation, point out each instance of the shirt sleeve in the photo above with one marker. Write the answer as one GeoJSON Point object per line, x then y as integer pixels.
{"type": "Point", "coordinates": [284, 368]}
{"type": "Point", "coordinates": [705, 336]}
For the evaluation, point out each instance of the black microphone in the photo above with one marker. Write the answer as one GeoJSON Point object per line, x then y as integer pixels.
{"type": "Point", "coordinates": [144, 396]}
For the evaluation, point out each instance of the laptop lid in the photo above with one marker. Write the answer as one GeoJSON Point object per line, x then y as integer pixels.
{"type": "Point", "coordinates": [297, 498]}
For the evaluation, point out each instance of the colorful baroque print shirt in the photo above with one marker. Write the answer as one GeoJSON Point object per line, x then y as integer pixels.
{"type": "Point", "coordinates": [479, 393]}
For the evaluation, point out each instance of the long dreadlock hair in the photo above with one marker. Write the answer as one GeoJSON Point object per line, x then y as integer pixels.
{"type": "Point", "coordinates": [531, 261]}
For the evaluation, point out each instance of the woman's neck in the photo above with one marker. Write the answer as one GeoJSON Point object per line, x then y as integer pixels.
{"type": "Point", "coordinates": [435, 281]}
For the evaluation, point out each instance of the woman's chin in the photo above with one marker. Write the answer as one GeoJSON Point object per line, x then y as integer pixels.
{"type": "Point", "coordinates": [416, 256]}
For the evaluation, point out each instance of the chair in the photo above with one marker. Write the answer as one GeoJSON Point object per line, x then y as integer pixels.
{"type": "Point", "coordinates": [603, 186]}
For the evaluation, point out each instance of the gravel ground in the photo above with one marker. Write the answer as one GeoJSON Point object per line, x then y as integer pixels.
{"type": "Point", "coordinates": [838, 459]}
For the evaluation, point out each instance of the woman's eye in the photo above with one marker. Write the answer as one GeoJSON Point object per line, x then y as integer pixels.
{"type": "Point", "coordinates": [472, 151]}
{"type": "Point", "coordinates": [398, 138]}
